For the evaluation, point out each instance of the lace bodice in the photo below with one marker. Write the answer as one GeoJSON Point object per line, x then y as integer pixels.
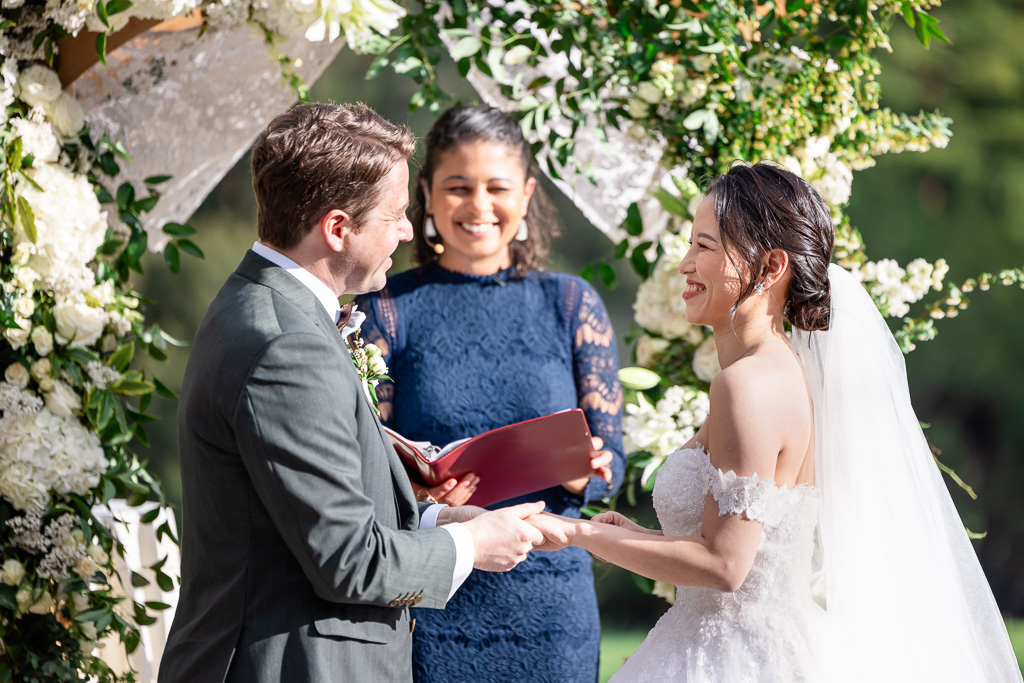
{"type": "Point", "coordinates": [768, 629]}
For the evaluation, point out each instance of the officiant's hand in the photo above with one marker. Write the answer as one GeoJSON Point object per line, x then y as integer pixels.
{"type": "Point", "coordinates": [600, 462]}
{"type": "Point", "coordinates": [502, 539]}
{"type": "Point", "coordinates": [451, 492]}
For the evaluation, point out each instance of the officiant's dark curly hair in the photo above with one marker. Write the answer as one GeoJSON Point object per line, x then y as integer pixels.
{"type": "Point", "coordinates": [482, 123]}
{"type": "Point", "coordinates": [764, 206]}
{"type": "Point", "coordinates": [318, 157]}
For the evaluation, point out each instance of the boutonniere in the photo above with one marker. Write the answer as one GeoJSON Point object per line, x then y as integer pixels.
{"type": "Point", "coordinates": [370, 366]}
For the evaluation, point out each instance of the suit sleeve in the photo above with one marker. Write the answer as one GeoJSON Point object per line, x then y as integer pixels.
{"type": "Point", "coordinates": [297, 426]}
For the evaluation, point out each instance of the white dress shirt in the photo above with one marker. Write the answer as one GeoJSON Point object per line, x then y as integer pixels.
{"type": "Point", "coordinates": [464, 547]}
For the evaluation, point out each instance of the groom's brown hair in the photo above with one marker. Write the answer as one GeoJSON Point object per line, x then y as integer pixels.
{"type": "Point", "coordinates": [319, 157]}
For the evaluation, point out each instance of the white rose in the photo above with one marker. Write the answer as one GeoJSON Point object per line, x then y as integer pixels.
{"type": "Point", "coordinates": [99, 555]}
{"type": "Point", "coordinates": [43, 340]}
{"type": "Point", "coordinates": [17, 374]}
{"type": "Point", "coordinates": [44, 605]}
{"type": "Point", "coordinates": [648, 92]}
{"type": "Point", "coordinates": [78, 324]}
{"type": "Point", "coordinates": [63, 400]}
{"type": "Point", "coordinates": [648, 348]}
{"type": "Point", "coordinates": [66, 115]}
{"type": "Point", "coordinates": [17, 336]}
{"type": "Point", "coordinates": [39, 85]}
{"type": "Point", "coordinates": [12, 573]}
{"type": "Point", "coordinates": [377, 365]}
{"type": "Point", "coordinates": [24, 598]}
{"type": "Point", "coordinates": [41, 368]}
{"type": "Point", "coordinates": [705, 360]}
{"type": "Point", "coordinates": [86, 567]}
{"type": "Point", "coordinates": [25, 307]}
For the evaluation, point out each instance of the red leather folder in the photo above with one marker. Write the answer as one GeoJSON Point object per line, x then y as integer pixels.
{"type": "Point", "coordinates": [511, 461]}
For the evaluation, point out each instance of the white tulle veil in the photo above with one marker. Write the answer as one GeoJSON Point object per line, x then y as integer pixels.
{"type": "Point", "coordinates": [906, 596]}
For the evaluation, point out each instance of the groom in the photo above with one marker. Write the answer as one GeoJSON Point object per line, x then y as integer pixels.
{"type": "Point", "coordinates": [302, 543]}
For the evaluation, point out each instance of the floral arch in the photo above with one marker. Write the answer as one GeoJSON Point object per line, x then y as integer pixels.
{"type": "Point", "coordinates": [628, 104]}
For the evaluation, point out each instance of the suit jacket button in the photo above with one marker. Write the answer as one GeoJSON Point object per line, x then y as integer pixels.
{"type": "Point", "coordinates": [417, 599]}
{"type": "Point", "coordinates": [394, 603]}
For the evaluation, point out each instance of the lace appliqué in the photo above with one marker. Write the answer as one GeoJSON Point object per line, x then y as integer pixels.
{"type": "Point", "coordinates": [757, 500]}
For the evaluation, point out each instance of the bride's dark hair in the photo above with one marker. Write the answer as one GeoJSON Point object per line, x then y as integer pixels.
{"type": "Point", "coordinates": [762, 207]}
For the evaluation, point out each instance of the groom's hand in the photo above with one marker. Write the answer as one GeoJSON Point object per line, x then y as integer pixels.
{"type": "Point", "coordinates": [502, 539]}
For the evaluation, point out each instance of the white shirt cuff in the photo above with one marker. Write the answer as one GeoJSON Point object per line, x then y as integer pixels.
{"type": "Point", "coordinates": [428, 520]}
{"type": "Point", "coordinates": [465, 550]}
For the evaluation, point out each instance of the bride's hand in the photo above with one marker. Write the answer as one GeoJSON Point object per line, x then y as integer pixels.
{"type": "Point", "coordinates": [558, 531]}
{"type": "Point", "coordinates": [619, 520]}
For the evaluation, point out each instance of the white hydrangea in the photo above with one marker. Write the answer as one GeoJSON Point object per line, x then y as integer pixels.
{"type": "Point", "coordinates": [665, 427]}
{"type": "Point", "coordinates": [37, 139]}
{"type": "Point", "coordinates": [41, 452]}
{"type": "Point", "coordinates": [659, 306]}
{"type": "Point", "coordinates": [70, 227]}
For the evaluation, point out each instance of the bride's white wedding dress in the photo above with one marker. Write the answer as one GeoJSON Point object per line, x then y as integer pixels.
{"type": "Point", "coordinates": [770, 629]}
{"type": "Point", "coordinates": [905, 596]}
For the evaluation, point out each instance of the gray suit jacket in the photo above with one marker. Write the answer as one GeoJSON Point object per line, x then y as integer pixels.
{"type": "Point", "coordinates": [300, 548]}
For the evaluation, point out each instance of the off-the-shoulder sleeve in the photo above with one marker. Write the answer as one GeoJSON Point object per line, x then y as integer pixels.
{"type": "Point", "coordinates": [596, 369]}
{"type": "Point", "coordinates": [760, 501]}
{"type": "Point", "coordinates": [381, 328]}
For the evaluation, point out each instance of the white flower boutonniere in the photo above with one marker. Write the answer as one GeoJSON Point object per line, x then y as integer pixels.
{"type": "Point", "coordinates": [370, 366]}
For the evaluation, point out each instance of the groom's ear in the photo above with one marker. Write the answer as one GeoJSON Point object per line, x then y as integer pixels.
{"type": "Point", "coordinates": [333, 228]}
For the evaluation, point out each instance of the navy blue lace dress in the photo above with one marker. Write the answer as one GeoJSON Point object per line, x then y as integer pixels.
{"type": "Point", "coordinates": [469, 354]}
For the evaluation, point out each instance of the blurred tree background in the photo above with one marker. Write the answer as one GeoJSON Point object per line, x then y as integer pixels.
{"type": "Point", "coordinates": [964, 203]}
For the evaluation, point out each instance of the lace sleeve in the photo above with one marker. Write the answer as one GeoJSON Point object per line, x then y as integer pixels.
{"type": "Point", "coordinates": [381, 328]}
{"type": "Point", "coordinates": [759, 501]}
{"type": "Point", "coordinates": [596, 368]}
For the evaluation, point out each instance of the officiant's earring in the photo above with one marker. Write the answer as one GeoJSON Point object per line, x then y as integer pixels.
{"type": "Point", "coordinates": [430, 234]}
{"type": "Point", "coordinates": [522, 234]}
{"type": "Point", "coordinates": [759, 288]}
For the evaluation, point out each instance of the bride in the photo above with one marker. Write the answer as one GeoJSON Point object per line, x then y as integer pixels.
{"type": "Point", "coordinates": [806, 526]}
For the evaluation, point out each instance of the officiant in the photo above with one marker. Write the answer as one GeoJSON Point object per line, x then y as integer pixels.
{"type": "Point", "coordinates": [480, 336]}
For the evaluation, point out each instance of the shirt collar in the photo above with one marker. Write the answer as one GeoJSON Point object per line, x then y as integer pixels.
{"type": "Point", "coordinates": [322, 292]}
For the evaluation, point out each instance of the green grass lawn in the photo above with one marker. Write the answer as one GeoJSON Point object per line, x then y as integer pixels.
{"type": "Point", "coordinates": [617, 645]}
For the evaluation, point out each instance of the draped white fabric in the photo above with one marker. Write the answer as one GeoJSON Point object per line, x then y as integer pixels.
{"type": "Point", "coordinates": [190, 106]}
{"type": "Point", "coordinates": [905, 594]}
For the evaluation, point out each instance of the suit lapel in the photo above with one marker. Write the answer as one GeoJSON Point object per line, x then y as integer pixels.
{"type": "Point", "coordinates": [258, 269]}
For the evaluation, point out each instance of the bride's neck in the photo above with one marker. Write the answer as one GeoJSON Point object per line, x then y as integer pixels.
{"type": "Point", "coordinates": [739, 337]}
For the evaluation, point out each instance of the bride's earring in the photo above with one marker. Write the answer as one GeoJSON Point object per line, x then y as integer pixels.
{"type": "Point", "coordinates": [523, 228]}
{"type": "Point", "coordinates": [759, 288]}
{"type": "Point", "coordinates": [430, 235]}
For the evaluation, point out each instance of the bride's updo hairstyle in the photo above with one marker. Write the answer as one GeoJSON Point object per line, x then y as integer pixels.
{"type": "Point", "coordinates": [762, 207]}
{"type": "Point", "coordinates": [464, 124]}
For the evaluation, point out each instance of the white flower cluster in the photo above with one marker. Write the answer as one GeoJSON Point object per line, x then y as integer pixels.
{"type": "Point", "coordinates": [327, 19]}
{"type": "Point", "coordinates": [659, 305]}
{"type": "Point", "coordinates": [39, 87]}
{"type": "Point", "coordinates": [42, 452]}
{"type": "Point", "coordinates": [896, 288]}
{"type": "Point", "coordinates": [665, 427]}
{"type": "Point", "coordinates": [832, 178]}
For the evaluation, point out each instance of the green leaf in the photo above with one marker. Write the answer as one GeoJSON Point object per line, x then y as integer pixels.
{"type": "Point", "coordinates": [164, 390]}
{"type": "Point", "coordinates": [607, 275]}
{"type": "Point", "coordinates": [157, 179]}
{"type": "Point", "coordinates": [908, 14]}
{"type": "Point", "coordinates": [179, 230]}
{"type": "Point", "coordinates": [638, 378]}
{"type": "Point", "coordinates": [150, 516]}
{"type": "Point", "coordinates": [189, 247]}
{"type": "Point", "coordinates": [671, 203]}
{"type": "Point", "coordinates": [158, 606]}
{"type": "Point", "coordinates": [133, 387]}
{"type": "Point", "coordinates": [172, 258]}
{"type": "Point", "coordinates": [101, 47]}
{"type": "Point", "coordinates": [633, 223]}
{"type": "Point", "coordinates": [7, 597]}
{"type": "Point", "coordinates": [136, 247]}
{"type": "Point", "coordinates": [138, 580]}
{"type": "Point", "coordinates": [466, 47]}
{"type": "Point", "coordinates": [587, 273]}
{"type": "Point", "coordinates": [122, 357]}
{"type": "Point", "coordinates": [106, 412]}
{"type": "Point", "coordinates": [117, 6]}
{"type": "Point", "coordinates": [146, 203]}
{"type": "Point", "coordinates": [93, 614]}
{"type": "Point", "coordinates": [125, 195]}
{"type": "Point", "coordinates": [621, 248]}
{"type": "Point", "coordinates": [27, 219]}
{"type": "Point", "coordinates": [643, 583]}
{"type": "Point", "coordinates": [639, 260]}
{"type": "Point", "coordinates": [164, 581]}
